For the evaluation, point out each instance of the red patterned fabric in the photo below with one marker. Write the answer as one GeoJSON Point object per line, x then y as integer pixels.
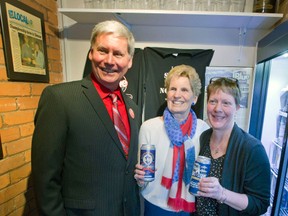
{"type": "Point", "coordinates": [119, 125]}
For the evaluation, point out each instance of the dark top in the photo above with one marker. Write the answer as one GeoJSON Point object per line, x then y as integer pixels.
{"type": "Point", "coordinates": [208, 206]}
{"type": "Point", "coordinates": [246, 169]}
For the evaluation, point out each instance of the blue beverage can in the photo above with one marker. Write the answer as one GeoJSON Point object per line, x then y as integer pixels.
{"type": "Point", "coordinates": [147, 160]}
{"type": "Point", "coordinates": [201, 169]}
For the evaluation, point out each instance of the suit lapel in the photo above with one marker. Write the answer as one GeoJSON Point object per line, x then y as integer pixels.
{"type": "Point", "coordinates": [100, 109]}
{"type": "Point", "coordinates": [131, 112]}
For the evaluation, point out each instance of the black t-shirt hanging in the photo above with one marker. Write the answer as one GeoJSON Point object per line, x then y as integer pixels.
{"type": "Point", "coordinates": [133, 82]}
{"type": "Point", "coordinates": [158, 62]}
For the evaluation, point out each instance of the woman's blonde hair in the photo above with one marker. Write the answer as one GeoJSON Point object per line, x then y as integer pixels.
{"type": "Point", "coordinates": [185, 71]}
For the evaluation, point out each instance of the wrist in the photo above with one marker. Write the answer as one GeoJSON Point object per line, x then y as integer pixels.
{"type": "Point", "coordinates": [223, 197]}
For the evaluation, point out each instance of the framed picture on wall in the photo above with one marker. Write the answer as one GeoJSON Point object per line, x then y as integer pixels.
{"type": "Point", "coordinates": [23, 36]}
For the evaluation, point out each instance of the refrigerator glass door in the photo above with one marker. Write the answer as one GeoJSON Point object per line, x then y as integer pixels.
{"type": "Point", "coordinates": [274, 129]}
{"type": "Point", "coordinates": [270, 84]}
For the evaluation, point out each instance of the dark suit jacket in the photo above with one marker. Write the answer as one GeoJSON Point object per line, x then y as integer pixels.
{"type": "Point", "coordinates": [78, 164]}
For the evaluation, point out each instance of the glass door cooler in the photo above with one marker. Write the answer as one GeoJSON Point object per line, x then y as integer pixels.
{"type": "Point", "coordinates": [269, 110]}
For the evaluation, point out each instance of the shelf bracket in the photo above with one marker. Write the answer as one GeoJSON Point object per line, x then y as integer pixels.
{"type": "Point", "coordinates": [118, 16]}
{"type": "Point", "coordinates": [242, 38]}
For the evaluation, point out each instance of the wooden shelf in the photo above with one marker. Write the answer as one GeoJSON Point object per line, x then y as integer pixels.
{"type": "Point", "coordinates": [173, 18]}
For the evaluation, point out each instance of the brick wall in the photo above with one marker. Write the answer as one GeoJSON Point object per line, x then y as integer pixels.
{"type": "Point", "coordinates": [18, 104]}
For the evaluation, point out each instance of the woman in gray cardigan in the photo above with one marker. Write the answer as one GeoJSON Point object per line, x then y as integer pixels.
{"type": "Point", "coordinates": [239, 179]}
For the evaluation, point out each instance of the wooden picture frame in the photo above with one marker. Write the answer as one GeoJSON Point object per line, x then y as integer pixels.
{"type": "Point", "coordinates": [1, 151]}
{"type": "Point", "coordinates": [24, 42]}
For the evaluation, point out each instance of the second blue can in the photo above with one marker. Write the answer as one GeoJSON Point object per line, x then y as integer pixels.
{"type": "Point", "coordinates": [201, 169]}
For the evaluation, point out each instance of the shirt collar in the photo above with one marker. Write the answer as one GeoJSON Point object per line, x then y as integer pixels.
{"type": "Point", "coordinates": [103, 91]}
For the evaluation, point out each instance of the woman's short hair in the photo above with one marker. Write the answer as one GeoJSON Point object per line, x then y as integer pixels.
{"type": "Point", "coordinates": [185, 71]}
{"type": "Point", "coordinates": [227, 85]}
{"type": "Point", "coordinates": [114, 27]}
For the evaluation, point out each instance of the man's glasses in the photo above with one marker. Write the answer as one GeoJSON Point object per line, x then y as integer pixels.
{"type": "Point", "coordinates": [230, 80]}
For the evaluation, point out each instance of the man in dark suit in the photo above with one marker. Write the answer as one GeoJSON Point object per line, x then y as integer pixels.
{"type": "Point", "coordinates": [79, 165]}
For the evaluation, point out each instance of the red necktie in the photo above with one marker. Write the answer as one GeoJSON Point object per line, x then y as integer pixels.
{"type": "Point", "coordinates": [119, 125]}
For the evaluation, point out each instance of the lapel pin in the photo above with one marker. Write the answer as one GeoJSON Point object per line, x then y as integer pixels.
{"type": "Point", "coordinates": [131, 113]}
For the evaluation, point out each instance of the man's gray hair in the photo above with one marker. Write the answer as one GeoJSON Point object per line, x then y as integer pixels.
{"type": "Point", "coordinates": [117, 28]}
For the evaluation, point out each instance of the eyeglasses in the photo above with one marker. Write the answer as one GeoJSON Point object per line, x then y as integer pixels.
{"type": "Point", "coordinates": [230, 80]}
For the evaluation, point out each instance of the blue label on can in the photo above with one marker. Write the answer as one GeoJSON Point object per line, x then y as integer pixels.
{"type": "Point", "coordinates": [148, 162]}
{"type": "Point", "coordinates": [200, 170]}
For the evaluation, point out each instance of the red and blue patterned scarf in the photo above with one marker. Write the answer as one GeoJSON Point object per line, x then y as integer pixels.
{"type": "Point", "coordinates": [180, 160]}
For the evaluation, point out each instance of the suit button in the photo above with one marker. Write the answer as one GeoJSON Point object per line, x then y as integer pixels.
{"type": "Point", "coordinates": [127, 172]}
